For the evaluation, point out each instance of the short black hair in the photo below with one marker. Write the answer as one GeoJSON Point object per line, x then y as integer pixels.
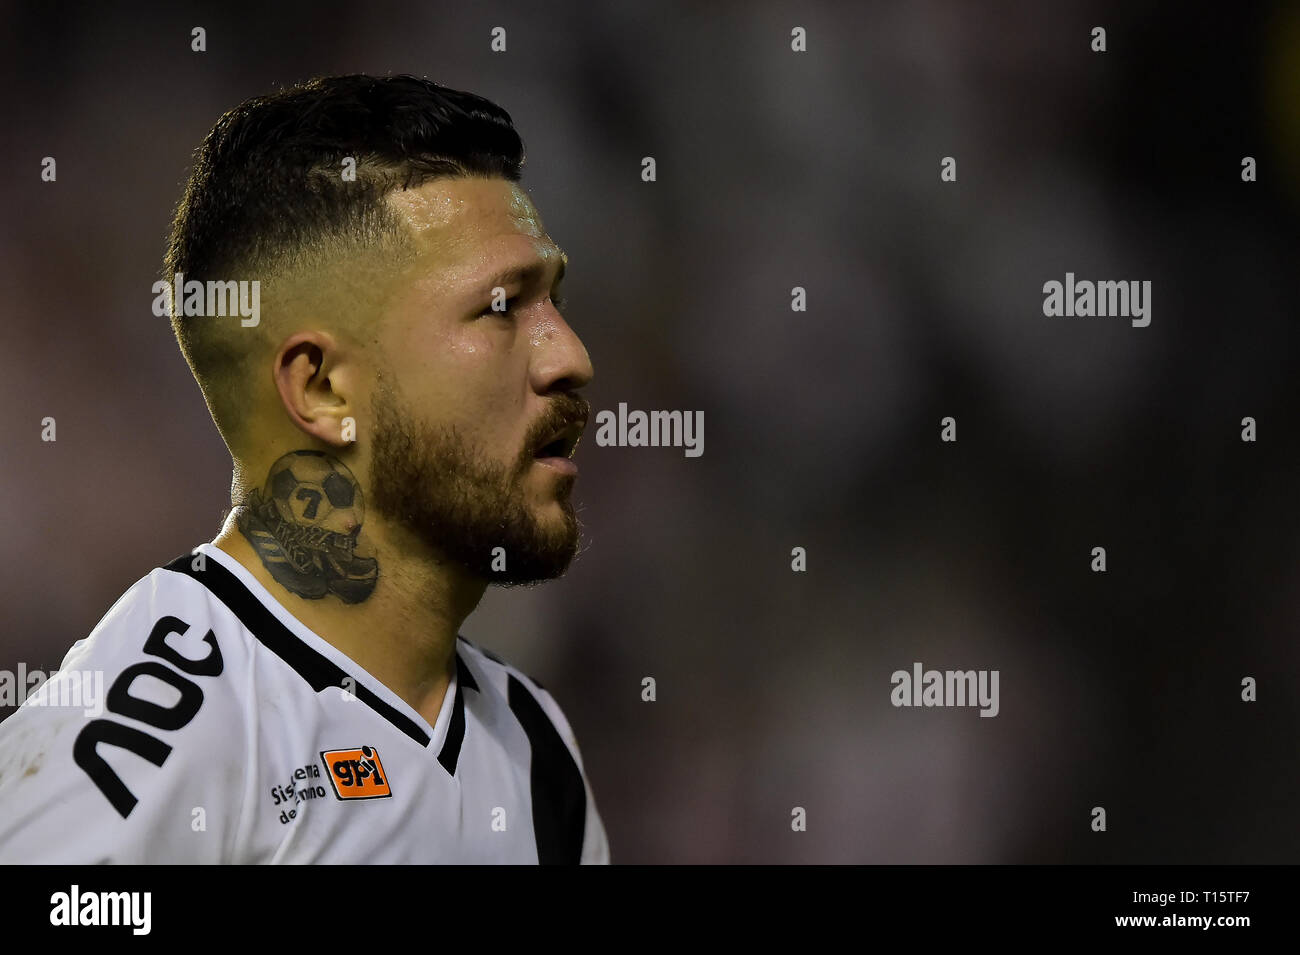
{"type": "Point", "coordinates": [267, 186]}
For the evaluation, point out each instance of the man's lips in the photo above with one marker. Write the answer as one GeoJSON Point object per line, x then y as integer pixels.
{"type": "Point", "coordinates": [556, 449]}
{"type": "Point", "coordinates": [561, 443]}
{"type": "Point", "coordinates": [562, 465]}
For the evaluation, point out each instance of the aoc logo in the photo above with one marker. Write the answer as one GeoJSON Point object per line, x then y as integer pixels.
{"type": "Point", "coordinates": [356, 773]}
{"type": "Point", "coordinates": [126, 700]}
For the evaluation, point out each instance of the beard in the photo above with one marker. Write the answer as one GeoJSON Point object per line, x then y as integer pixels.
{"type": "Point", "coordinates": [464, 505]}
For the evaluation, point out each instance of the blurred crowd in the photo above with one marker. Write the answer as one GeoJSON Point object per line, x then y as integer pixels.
{"type": "Point", "coordinates": [778, 169]}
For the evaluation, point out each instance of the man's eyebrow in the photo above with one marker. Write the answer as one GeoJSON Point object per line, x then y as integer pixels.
{"type": "Point", "coordinates": [524, 274]}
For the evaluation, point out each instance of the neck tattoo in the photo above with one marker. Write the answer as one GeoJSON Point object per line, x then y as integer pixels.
{"type": "Point", "coordinates": [304, 525]}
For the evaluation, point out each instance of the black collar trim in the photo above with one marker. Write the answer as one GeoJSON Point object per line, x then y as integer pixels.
{"type": "Point", "coordinates": [318, 670]}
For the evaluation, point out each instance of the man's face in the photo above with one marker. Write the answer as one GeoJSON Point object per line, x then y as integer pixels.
{"type": "Point", "coordinates": [468, 397]}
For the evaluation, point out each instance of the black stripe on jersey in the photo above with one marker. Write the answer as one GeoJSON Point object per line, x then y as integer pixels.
{"type": "Point", "coordinates": [488, 653]}
{"type": "Point", "coordinates": [496, 659]}
{"type": "Point", "coordinates": [463, 673]}
{"type": "Point", "coordinates": [559, 796]}
{"type": "Point", "coordinates": [456, 731]}
{"type": "Point", "coordinates": [316, 669]}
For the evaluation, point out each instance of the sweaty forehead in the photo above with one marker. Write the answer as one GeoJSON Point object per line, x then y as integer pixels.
{"type": "Point", "coordinates": [451, 218]}
{"type": "Point", "coordinates": [467, 230]}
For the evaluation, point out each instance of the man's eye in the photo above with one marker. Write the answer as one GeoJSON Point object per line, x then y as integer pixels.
{"type": "Point", "coordinates": [510, 303]}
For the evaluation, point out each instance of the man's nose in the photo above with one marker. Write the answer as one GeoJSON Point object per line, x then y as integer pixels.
{"type": "Point", "coordinates": [560, 360]}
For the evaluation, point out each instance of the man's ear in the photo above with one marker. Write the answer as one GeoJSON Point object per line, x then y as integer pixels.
{"type": "Point", "coordinates": [316, 380]}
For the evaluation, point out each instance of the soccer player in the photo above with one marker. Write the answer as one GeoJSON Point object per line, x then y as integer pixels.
{"type": "Point", "coordinates": [399, 396]}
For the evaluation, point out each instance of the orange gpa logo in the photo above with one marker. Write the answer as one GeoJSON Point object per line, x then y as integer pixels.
{"type": "Point", "coordinates": [356, 773]}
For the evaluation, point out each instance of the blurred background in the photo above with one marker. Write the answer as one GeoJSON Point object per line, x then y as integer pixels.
{"type": "Point", "coordinates": [779, 169]}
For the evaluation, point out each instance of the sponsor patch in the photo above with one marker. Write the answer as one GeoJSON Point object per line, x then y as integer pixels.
{"type": "Point", "coordinates": [356, 773]}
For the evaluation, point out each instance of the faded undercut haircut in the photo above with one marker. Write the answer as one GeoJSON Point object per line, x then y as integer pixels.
{"type": "Point", "coordinates": [267, 195]}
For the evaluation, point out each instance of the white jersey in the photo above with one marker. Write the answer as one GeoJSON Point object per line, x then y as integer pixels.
{"type": "Point", "coordinates": [228, 732]}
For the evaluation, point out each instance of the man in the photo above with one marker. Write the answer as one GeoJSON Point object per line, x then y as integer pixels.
{"type": "Point", "coordinates": [400, 406]}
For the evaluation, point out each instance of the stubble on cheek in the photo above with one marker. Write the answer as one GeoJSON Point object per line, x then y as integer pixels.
{"type": "Point", "coordinates": [468, 507]}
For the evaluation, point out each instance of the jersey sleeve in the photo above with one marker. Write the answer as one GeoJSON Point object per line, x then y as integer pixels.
{"type": "Point", "coordinates": [595, 844]}
{"type": "Point", "coordinates": [133, 751]}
